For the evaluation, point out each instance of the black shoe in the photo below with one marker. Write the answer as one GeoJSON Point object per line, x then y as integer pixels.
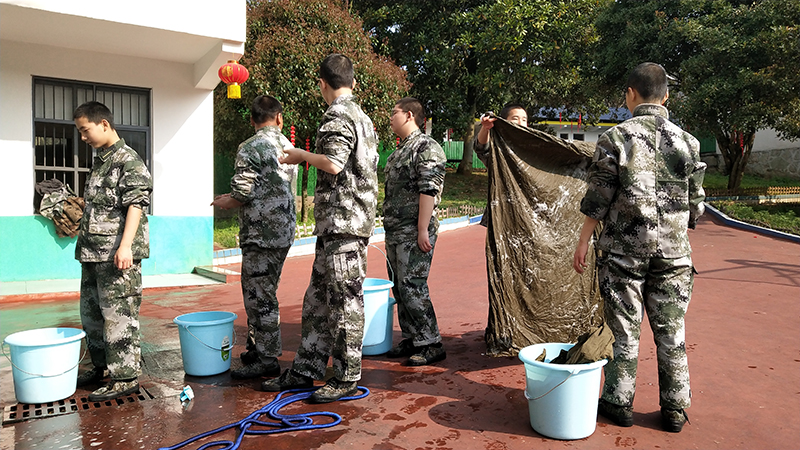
{"type": "Point", "coordinates": [404, 348]}
{"type": "Point", "coordinates": [428, 354]}
{"type": "Point", "coordinates": [92, 376]}
{"type": "Point", "coordinates": [333, 390]}
{"type": "Point", "coordinates": [257, 369]}
{"type": "Point", "coordinates": [672, 420]}
{"type": "Point", "coordinates": [289, 379]}
{"type": "Point", "coordinates": [115, 389]}
{"type": "Point", "coordinates": [620, 415]}
{"type": "Point", "coordinates": [249, 357]}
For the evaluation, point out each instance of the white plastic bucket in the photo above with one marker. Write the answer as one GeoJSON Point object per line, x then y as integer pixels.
{"type": "Point", "coordinates": [206, 341]}
{"type": "Point", "coordinates": [378, 316]}
{"type": "Point", "coordinates": [45, 363]}
{"type": "Point", "coordinates": [562, 398]}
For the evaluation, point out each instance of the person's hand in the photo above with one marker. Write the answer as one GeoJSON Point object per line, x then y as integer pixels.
{"type": "Point", "coordinates": [123, 259]}
{"type": "Point", "coordinates": [225, 201]}
{"type": "Point", "coordinates": [579, 258]}
{"type": "Point", "coordinates": [424, 241]}
{"type": "Point", "coordinates": [487, 122]}
{"type": "Point", "coordinates": [292, 156]}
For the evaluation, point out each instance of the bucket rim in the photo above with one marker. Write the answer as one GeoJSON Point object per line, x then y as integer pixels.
{"type": "Point", "coordinates": [181, 319]}
{"type": "Point", "coordinates": [17, 339]}
{"type": "Point", "coordinates": [573, 368]}
{"type": "Point", "coordinates": [384, 284]}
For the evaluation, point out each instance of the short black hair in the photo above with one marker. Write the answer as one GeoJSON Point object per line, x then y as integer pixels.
{"type": "Point", "coordinates": [510, 106]}
{"type": "Point", "coordinates": [94, 112]}
{"type": "Point", "coordinates": [415, 107]}
{"type": "Point", "coordinates": [649, 80]}
{"type": "Point", "coordinates": [265, 108]}
{"type": "Point", "coordinates": [337, 70]}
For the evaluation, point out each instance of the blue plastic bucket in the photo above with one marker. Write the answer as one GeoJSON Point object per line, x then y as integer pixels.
{"type": "Point", "coordinates": [378, 316]}
{"type": "Point", "coordinates": [562, 398]}
{"type": "Point", "coordinates": [45, 363]}
{"type": "Point", "coordinates": [206, 341]}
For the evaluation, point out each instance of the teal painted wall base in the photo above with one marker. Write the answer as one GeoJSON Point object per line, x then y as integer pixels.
{"type": "Point", "coordinates": [30, 249]}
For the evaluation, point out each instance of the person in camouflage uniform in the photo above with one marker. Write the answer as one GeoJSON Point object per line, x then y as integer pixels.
{"type": "Point", "coordinates": [112, 240]}
{"type": "Point", "coordinates": [345, 200]}
{"type": "Point", "coordinates": [262, 190]}
{"type": "Point", "coordinates": [646, 186]}
{"type": "Point", "coordinates": [414, 183]}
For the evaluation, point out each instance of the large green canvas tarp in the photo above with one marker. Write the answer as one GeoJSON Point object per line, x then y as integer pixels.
{"type": "Point", "coordinates": [536, 183]}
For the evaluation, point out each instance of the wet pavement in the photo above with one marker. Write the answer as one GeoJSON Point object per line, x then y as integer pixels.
{"type": "Point", "coordinates": [744, 359]}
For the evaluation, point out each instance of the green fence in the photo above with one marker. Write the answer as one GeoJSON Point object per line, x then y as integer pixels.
{"type": "Point", "coordinates": [454, 151]}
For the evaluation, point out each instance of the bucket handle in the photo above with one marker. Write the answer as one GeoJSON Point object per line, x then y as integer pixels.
{"type": "Point", "coordinates": [186, 327]}
{"type": "Point", "coordinates": [388, 264]}
{"type": "Point", "coordinates": [571, 373]}
{"type": "Point", "coordinates": [3, 350]}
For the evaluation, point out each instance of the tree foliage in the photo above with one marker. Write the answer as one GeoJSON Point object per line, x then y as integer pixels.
{"type": "Point", "coordinates": [286, 41]}
{"type": "Point", "coordinates": [467, 57]}
{"type": "Point", "coordinates": [737, 65]}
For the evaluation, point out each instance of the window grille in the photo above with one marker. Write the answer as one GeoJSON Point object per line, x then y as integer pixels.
{"type": "Point", "coordinates": [59, 151]}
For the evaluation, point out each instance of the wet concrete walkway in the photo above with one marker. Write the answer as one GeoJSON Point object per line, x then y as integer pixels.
{"type": "Point", "coordinates": [744, 359]}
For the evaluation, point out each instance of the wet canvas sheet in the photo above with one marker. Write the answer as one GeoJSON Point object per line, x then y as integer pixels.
{"type": "Point", "coordinates": [536, 183]}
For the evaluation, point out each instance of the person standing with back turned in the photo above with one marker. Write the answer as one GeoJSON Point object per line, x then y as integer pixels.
{"type": "Point", "coordinates": [345, 200]}
{"type": "Point", "coordinates": [414, 183]}
{"type": "Point", "coordinates": [646, 185]}
{"type": "Point", "coordinates": [262, 190]}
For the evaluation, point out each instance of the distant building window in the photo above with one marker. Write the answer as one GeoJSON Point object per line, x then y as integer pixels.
{"type": "Point", "coordinates": [577, 136]}
{"type": "Point", "coordinates": [59, 151]}
{"type": "Point", "coordinates": [564, 136]}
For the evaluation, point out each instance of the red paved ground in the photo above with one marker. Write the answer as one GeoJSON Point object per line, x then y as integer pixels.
{"type": "Point", "coordinates": [743, 346]}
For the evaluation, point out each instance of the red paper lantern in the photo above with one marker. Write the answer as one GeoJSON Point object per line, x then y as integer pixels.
{"type": "Point", "coordinates": [233, 74]}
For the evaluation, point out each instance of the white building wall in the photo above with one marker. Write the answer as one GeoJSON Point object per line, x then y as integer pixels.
{"type": "Point", "coordinates": [182, 122]}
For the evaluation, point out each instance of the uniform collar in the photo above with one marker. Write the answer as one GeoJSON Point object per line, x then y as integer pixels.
{"type": "Point", "coordinates": [650, 109]}
{"type": "Point", "coordinates": [105, 153]}
{"type": "Point", "coordinates": [267, 128]}
{"type": "Point", "coordinates": [342, 98]}
{"type": "Point", "coordinates": [411, 135]}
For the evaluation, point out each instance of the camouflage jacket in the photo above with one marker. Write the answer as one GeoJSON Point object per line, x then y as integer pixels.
{"type": "Point", "coordinates": [416, 167]}
{"type": "Point", "coordinates": [345, 203]}
{"type": "Point", "coordinates": [119, 178]}
{"type": "Point", "coordinates": [267, 217]}
{"type": "Point", "coordinates": [646, 185]}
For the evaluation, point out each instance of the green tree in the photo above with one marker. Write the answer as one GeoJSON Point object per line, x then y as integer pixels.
{"type": "Point", "coordinates": [286, 41]}
{"type": "Point", "coordinates": [736, 64]}
{"type": "Point", "coordinates": [470, 56]}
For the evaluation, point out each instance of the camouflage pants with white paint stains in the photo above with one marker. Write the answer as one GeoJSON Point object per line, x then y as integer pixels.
{"type": "Point", "coordinates": [333, 309]}
{"type": "Point", "coordinates": [661, 287]}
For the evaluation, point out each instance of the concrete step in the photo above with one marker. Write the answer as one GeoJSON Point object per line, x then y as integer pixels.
{"type": "Point", "coordinates": [218, 273]}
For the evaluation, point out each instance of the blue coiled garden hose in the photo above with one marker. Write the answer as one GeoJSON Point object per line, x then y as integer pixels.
{"type": "Point", "coordinates": [291, 422]}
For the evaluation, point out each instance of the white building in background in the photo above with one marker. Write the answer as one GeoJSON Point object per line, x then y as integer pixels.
{"type": "Point", "coordinates": [154, 63]}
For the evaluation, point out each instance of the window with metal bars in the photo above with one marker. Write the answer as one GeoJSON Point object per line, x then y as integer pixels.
{"type": "Point", "coordinates": [59, 151]}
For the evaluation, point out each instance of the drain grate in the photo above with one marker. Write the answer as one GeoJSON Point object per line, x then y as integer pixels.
{"type": "Point", "coordinates": [24, 411]}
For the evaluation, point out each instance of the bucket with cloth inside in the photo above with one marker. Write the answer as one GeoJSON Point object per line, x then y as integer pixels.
{"type": "Point", "coordinates": [378, 316]}
{"type": "Point", "coordinates": [562, 398]}
{"type": "Point", "coordinates": [207, 338]}
{"type": "Point", "coordinates": [44, 363]}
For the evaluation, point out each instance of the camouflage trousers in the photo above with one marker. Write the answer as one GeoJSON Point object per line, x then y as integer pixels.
{"type": "Point", "coordinates": [415, 313]}
{"type": "Point", "coordinates": [333, 309]}
{"type": "Point", "coordinates": [261, 272]}
{"type": "Point", "coordinates": [109, 308]}
{"type": "Point", "coordinates": [661, 287]}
